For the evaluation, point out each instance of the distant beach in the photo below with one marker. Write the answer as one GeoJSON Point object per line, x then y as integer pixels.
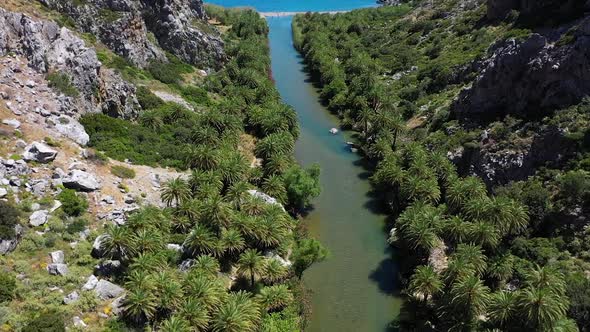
{"type": "Point", "coordinates": [281, 14]}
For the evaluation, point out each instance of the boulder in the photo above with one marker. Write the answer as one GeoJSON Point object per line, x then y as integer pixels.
{"type": "Point", "coordinates": [57, 269]}
{"type": "Point", "coordinates": [268, 199]}
{"type": "Point", "coordinates": [38, 218]}
{"type": "Point", "coordinates": [107, 290]}
{"type": "Point", "coordinates": [3, 192]}
{"type": "Point", "coordinates": [8, 245]}
{"type": "Point", "coordinates": [91, 283]}
{"type": "Point", "coordinates": [57, 257]}
{"type": "Point", "coordinates": [39, 152]}
{"type": "Point", "coordinates": [14, 123]}
{"type": "Point", "coordinates": [174, 247]}
{"type": "Point", "coordinates": [70, 298]}
{"type": "Point", "coordinates": [80, 180]}
{"type": "Point", "coordinates": [71, 129]}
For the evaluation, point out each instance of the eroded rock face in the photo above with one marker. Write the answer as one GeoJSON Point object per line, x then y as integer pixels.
{"type": "Point", "coordinates": [118, 24]}
{"type": "Point", "coordinates": [529, 78]}
{"type": "Point", "coordinates": [49, 48]}
{"type": "Point", "coordinates": [172, 23]}
{"type": "Point", "coordinates": [124, 26]}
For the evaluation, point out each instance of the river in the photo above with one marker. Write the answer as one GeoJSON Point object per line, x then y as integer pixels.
{"type": "Point", "coordinates": [354, 289]}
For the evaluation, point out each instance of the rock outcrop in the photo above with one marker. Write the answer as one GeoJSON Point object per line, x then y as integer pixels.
{"type": "Point", "coordinates": [50, 48]}
{"type": "Point", "coordinates": [125, 27]}
{"type": "Point", "coordinates": [529, 78]}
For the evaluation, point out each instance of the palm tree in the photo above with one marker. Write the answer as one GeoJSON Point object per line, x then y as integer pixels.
{"type": "Point", "coordinates": [251, 263]}
{"type": "Point", "coordinates": [200, 240]}
{"type": "Point", "coordinates": [208, 291]}
{"type": "Point", "coordinates": [202, 157]}
{"type": "Point", "coordinates": [140, 304]}
{"type": "Point", "coordinates": [217, 213]}
{"type": "Point", "coordinates": [232, 240]}
{"type": "Point", "coordinates": [275, 144]}
{"type": "Point", "coordinates": [275, 271]}
{"type": "Point", "coordinates": [175, 324]}
{"type": "Point", "coordinates": [233, 168]}
{"type": "Point", "coordinates": [541, 307]}
{"type": "Point", "coordinates": [149, 262]}
{"type": "Point", "coordinates": [461, 191]}
{"type": "Point", "coordinates": [190, 209]}
{"type": "Point", "coordinates": [275, 297]}
{"type": "Point", "coordinates": [425, 282]}
{"type": "Point", "coordinates": [207, 264]}
{"type": "Point", "coordinates": [118, 243]}
{"type": "Point", "coordinates": [473, 255]}
{"type": "Point", "coordinates": [501, 267]}
{"type": "Point", "coordinates": [175, 191]}
{"type": "Point", "coordinates": [168, 290]}
{"type": "Point", "coordinates": [238, 314]}
{"type": "Point", "coordinates": [484, 234]}
{"type": "Point", "coordinates": [236, 193]}
{"type": "Point", "coordinates": [151, 120]}
{"type": "Point", "coordinates": [140, 279]}
{"type": "Point", "coordinates": [471, 297]}
{"type": "Point", "coordinates": [148, 240]}
{"type": "Point", "coordinates": [502, 307]}
{"type": "Point", "coordinates": [456, 229]}
{"type": "Point", "coordinates": [199, 179]}
{"type": "Point", "coordinates": [458, 269]}
{"type": "Point", "coordinates": [274, 187]}
{"type": "Point", "coordinates": [546, 277]}
{"type": "Point", "coordinates": [253, 205]}
{"type": "Point", "coordinates": [195, 313]}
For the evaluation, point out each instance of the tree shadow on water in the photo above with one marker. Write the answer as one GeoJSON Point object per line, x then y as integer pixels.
{"type": "Point", "coordinates": [386, 274]}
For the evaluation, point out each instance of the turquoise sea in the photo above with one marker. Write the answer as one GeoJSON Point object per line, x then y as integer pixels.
{"type": "Point", "coordinates": [297, 5]}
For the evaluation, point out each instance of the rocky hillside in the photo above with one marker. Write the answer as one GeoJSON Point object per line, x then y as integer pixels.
{"type": "Point", "coordinates": [142, 31]}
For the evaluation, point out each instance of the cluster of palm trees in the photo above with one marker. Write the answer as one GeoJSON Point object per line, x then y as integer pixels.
{"type": "Point", "coordinates": [479, 285]}
{"type": "Point", "coordinates": [233, 276]}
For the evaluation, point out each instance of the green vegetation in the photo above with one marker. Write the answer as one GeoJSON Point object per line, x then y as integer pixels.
{"type": "Point", "coordinates": [73, 204]}
{"type": "Point", "coordinates": [233, 242]}
{"type": "Point", "coordinates": [8, 219]}
{"type": "Point", "coordinates": [62, 83]}
{"type": "Point", "coordinates": [7, 286]}
{"type": "Point", "coordinates": [476, 257]}
{"type": "Point", "coordinates": [122, 172]}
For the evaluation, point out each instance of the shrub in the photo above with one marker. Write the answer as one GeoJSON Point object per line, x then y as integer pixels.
{"type": "Point", "coordinates": [8, 219]}
{"type": "Point", "coordinates": [195, 94]}
{"type": "Point", "coordinates": [51, 142]}
{"type": "Point", "coordinates": [48, 321]}
{"type": "Point", "coordinates": [7, 286]}
{"type": "Point", "coordinates": [72, 203]}
{"type": "Point", "coordinates": [76, 226]}
{"type": "Point", "coordinates": [147, 99]}
{"type": "Point", "coordinates": [170, 72]}
{"type": "Point", "coordinates": [122, 172]}
{"type": "Point", "coordinates": [61, 82]}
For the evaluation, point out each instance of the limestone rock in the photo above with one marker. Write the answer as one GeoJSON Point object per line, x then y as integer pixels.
{"type": "Point", "coordinates": [57, 257]}
{"type": "Point", "coordinates": [71, 298]}
{"type": "Point", "coordinates": [528, 78]}
{"type": "Point", "coordinates": [107, 290]}
{"type": "Point", "coordinates": [91, 283]}
{"type": "Point", "coordinates": [51, 48]}
{"type": "Point", "coordinates": [78, 322]}
{"type": "Point", "coordinates": [80, 180]}
{"type": "Point", "coordinates": [38, 218]}
{"type": "Point", "coordinates": [14, 123]}
{"type": "Point", "coordinates": [72, 129]}
{"type": "Point", "coordinates": [57, 269]}
{"type": "Point", "coordinates": [39, 152]}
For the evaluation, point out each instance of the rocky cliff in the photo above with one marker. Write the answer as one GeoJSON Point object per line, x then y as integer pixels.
{"type": "Point", "coordinates": [139, 30]}
{"type": "Point", "coordinates": [530, 78]}
{"type": "Point", "coordinates": [51, 49]}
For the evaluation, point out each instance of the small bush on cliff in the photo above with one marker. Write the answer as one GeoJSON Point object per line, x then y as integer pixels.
{"type": "Point", "coordinates": [72, 203]}
{"type": "Point", "coordinates": [62, 83]}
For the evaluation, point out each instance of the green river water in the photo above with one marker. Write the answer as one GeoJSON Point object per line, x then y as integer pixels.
{"type": "Point", "coordinates": [354, 289]}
